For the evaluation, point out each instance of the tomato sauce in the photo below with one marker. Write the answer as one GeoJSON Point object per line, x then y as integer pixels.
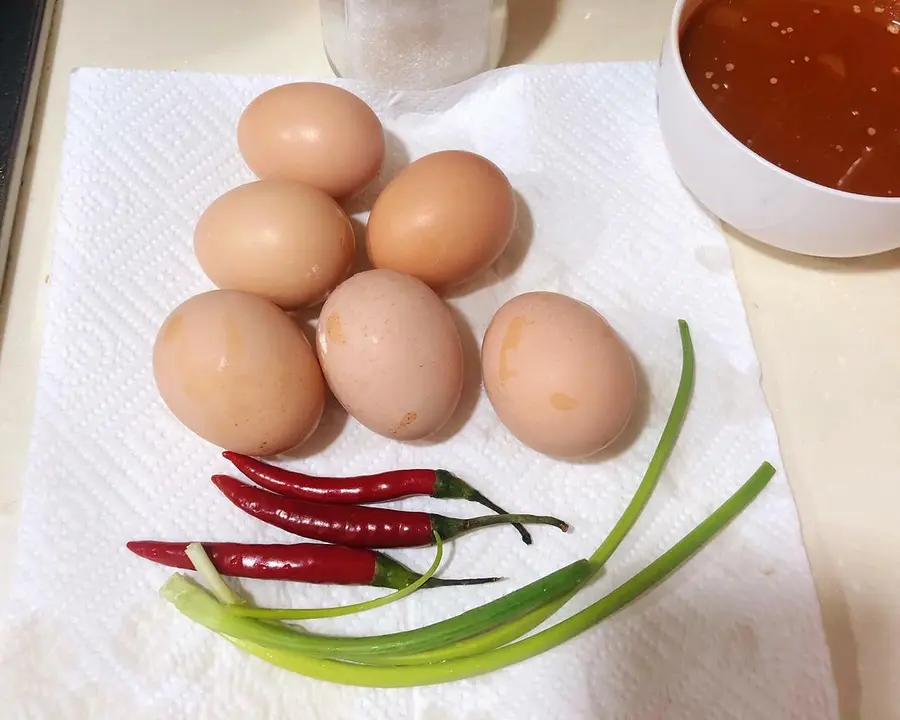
{"type": "Point", "coordinates": [812, 86]}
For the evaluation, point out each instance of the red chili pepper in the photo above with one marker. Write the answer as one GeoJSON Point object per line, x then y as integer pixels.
{"type": "Point", "coordinates": [298, 562]}
{"type": "Point", "coordinates": [358, 525]}
{"type": "Point", "coordinates": [392, 485]}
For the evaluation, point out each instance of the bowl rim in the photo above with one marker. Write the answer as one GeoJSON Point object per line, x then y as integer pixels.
{"type": "Point", "coordinates": [675, 41]}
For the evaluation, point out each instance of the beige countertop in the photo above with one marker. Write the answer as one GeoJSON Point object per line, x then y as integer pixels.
{"type": "Point", "coordinates": [828, 333]}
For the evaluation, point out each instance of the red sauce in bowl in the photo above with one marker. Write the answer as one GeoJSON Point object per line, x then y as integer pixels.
{"type": "Point", "coordinates": [812, 86]}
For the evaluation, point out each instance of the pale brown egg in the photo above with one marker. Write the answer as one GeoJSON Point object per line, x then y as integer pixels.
{"type": "Point", "coordinates": [314, 133]}
{"type": "Point", "coordinates": [239, 373]}
{"type": "Point", "coordinates": [444, 219]}
{"type": "Point", "coordinates": [391, 354]}
{"type": "Point", "coordinates": [558, 376]}
{"type": "Point", "coordinates": [285, 241]}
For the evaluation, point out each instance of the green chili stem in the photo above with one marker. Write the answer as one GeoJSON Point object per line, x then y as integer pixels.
{"type": "Point", "coordinates": [447, 485]}
{"type": "Point", "coordinates": [453, 527]}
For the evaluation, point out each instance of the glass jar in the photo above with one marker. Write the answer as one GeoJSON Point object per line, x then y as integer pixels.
{"type": "Point", "coordinates": [413, 44]}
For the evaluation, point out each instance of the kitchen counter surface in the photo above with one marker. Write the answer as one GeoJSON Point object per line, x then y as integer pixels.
{"type": "Point", "coordinates": [827, 332]}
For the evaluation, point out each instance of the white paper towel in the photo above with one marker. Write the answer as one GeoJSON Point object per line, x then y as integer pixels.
{"type": "Point", "coordinates": [734, 634]}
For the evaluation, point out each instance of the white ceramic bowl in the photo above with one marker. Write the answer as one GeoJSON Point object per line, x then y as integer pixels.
{"type": "Point", "coordinates": [750, 193]}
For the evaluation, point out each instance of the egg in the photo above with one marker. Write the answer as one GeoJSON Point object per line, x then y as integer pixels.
{"type": "Point", "coordinates": [444, 219]}
{"type": "Point", "coordinates": [239, 373]}
{"type": "Point", "coordinates": [557, 375]}
{"type": "Point", "coordinates": [391, 353]}
{"type": "Point", "coordinates": [285, 241]}
{"type": "Point", "coordinates": [314, 133]}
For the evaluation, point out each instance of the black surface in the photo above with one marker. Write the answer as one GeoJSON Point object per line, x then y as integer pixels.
{"type": "Point", "coordinates": [20, 28]}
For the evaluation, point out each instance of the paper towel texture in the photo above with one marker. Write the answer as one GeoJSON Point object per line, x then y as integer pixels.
{"type": "Point", "coordinates": [734, 634]}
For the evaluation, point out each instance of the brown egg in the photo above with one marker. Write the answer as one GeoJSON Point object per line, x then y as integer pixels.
{"type": "Point", "coordinates": [314, 133]}
{"type": "Point", "coordinates": [557, 375]}
{"type": "Point", "coordinates": [391, 354]}
{"type": "Point", "coordinates": [444, 219]}
{"type": "Point", "coordinates": [287, 242]}
{"type": "Point", "coordinates": [239, 373]}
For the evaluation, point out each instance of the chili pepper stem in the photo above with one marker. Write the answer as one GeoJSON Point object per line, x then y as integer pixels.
{"type": "Point", "coordinates": [390, 573]}
{"type": "Point", "coordinates": [451, 582]}
{"type": "Point", "coordinates": [452, 487]}
{"type": "Point", "coordinates": [451, 527]}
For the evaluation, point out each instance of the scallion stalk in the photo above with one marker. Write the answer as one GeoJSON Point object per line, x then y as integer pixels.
{"type": "Point", "coordinates": [204, 609]}
{"type": "Point", "coordinates": [205, 568]}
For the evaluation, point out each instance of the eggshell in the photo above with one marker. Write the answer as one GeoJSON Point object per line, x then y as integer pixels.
{"type": "Point", "coordinates": [391, 354]}
{"type": "Point", "coordinates": [444, 219]}
{"type": "Point", "coordinates": [557, 375]}
{"type": "Point", "coordinates": [285, 241]}
{"type": "Point", "coordinates": [239, 373]}
{"type": "Point", "coordinates": [314, 133]}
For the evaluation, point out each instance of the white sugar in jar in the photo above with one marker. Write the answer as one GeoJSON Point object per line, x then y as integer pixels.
{"type": "Point", "coordinates": [413, 44]}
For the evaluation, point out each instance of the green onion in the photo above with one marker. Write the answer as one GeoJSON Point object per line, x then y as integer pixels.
{"type": "Point", "coordinates": [308, 614]}
{"type": "Point", "coordinates": [661, 455]}
{"type": "Point", "coordinates": [204, 609]}
{"type": "Point", "coordinates": [384, 677]}
{"type": "Point", "coordinates": [205, 568]}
